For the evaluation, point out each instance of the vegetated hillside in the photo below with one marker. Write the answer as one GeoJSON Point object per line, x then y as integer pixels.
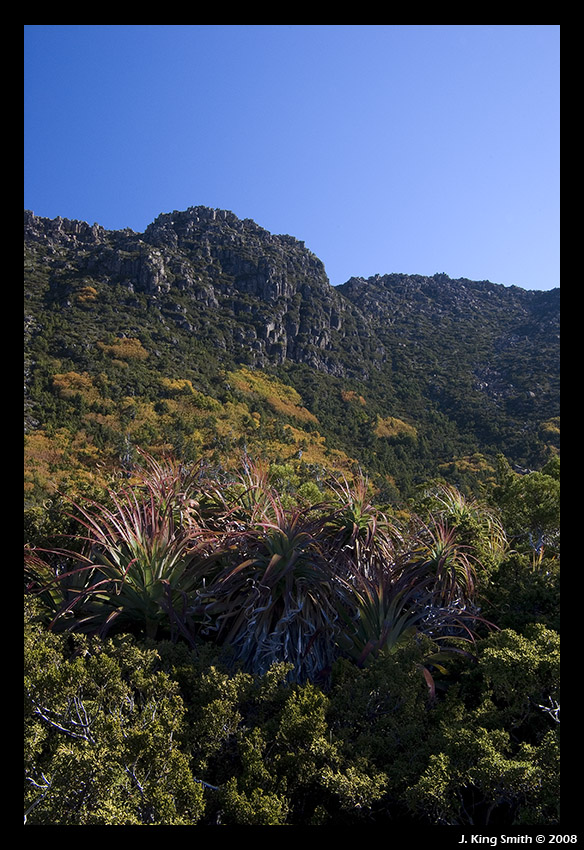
{"type": "Point", "coordinates": [208, 336]}
{"type": "Point", "coordinates": [225, 622]}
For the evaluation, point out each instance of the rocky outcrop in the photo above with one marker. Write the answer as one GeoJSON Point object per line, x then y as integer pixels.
{"type": "Point", "coordinates": [206, 291]}
{"type": "Point", "coordinates": [56, 232]}
{"type": "Point", "coordinates": [273, 301]}
{"type": "Point", "coordinates": [271, 284]}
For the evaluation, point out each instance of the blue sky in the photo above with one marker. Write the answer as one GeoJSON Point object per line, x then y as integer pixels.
{"type": "Point", "coordinates": [385, 148]}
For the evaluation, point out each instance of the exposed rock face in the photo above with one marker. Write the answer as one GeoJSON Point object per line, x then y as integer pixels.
{"type": "Point", "coordinates": [59, 231]}
{"type": "Point", "coordinates": [274, 278]}
{"type": "Point", "coordinates": [470, 365]}
{"type": "Point", "coordinates": [273, 301]}
{"type": "Point", "coordinates": [273, 283]}
{"type": "Point", "coordinates": [496, 330]}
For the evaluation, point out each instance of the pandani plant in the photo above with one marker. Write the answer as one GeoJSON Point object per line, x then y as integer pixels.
{"type": "Point", "coordinates": [361, 537]}
{"type": "Point", "coordinates": [139, 561]}
{"type": "Point", "coordinates": [469, 516]}
{"type": "Point", "coordinates": [181, 551]}
{"type": "Point", "coordinates": [426, 588]}
{"type": "Point", "coordinates": [279, 600]}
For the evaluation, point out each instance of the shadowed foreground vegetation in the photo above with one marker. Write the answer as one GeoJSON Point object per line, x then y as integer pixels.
{"type": "Point", "coordinates": [202, 649]}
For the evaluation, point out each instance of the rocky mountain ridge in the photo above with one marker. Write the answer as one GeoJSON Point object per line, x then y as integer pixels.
{"type": "Point", "coordinates": [224, 263]}
{"type": "Point", "coordinates": [473, 360]}
{"type": "Point", "coordinates": [277, 287]}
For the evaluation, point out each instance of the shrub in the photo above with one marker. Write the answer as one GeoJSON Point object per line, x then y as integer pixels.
{"type": "Point", "coordinates": [103, 731]}
{"type": "Point", "coordinates": [497, 758]}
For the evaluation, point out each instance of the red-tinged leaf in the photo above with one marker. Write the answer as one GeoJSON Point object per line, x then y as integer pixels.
{"type": "Point", "coordinates": [430, 682]}
{"type": "Point", "coordinates": [239, 568]}
{"type": "Point", "coordinates": [274, 561]}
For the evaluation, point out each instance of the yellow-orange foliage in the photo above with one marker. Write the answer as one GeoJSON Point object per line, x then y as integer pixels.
{"type": "Point", "coordinates": [59, 461]}
{"type": "Point", "coordinates": [391, 426]}
{"type": "Point", "coordinates": [71, 384]}
{"type": "Point", "coordinates": [471, 463]}
{"type": "Point", "coordinates": [183, 388]}
{"type": "Point", "coordinates": [281, 398]}
{"type": "Point", "coordinates": [86, 294]}
{"type": "Point", "coordinates": [177, 385]}
{"type": "Point", "coordinates": [351, 396]}
{"type": "Point", "coordinates": [124, 349]}
{"type": "Point", "coordinates": [551, 428]}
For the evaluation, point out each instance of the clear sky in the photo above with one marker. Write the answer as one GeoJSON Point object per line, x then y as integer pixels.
{"type": "Point", "coordinates": [385, 148]}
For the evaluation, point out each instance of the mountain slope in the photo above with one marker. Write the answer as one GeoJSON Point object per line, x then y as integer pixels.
{"type": "Point", "coordinates": [148, 339]}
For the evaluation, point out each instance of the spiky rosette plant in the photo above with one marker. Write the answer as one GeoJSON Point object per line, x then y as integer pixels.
{"type": "Point", "coordinates": [452, 565]}
{"type": "Point", "coordinates": [53, 577]}
{"type": "Point", "coordinates": [250, 495]}
{"type": "Point", "coordinates": [195, 496]}
{"type": "Point", "coordinates": [426, 587]}
{"type": "Point", "coordinates": [396, 607]}
{"type": "Point", "coordinates": [279, 602]}
{"type": "Point", "coordinates": [474, 521]}
{"type": "Point", "coordinates": [387, 608]}
{"type": "Point", "coordinates": [139, 561]}
{"type": "Point", "coordinates": [173, 485]}
{"type": "Point", "coordinates": [360, 535]}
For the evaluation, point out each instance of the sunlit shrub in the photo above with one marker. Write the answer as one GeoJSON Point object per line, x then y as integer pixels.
{"type": "Point", "coordinates": [102, 743]}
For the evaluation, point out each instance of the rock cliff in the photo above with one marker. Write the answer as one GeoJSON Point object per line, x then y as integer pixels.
{"type": "Point", "coordinates": [273, 285]}
{"type": "Point", "coordinates": [471, 358]}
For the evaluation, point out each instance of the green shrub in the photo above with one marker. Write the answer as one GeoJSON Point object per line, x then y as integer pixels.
{"type": "Point", "coordinates": [497, 758]}
{"type": "Point", "coordinates": [103, 728]}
